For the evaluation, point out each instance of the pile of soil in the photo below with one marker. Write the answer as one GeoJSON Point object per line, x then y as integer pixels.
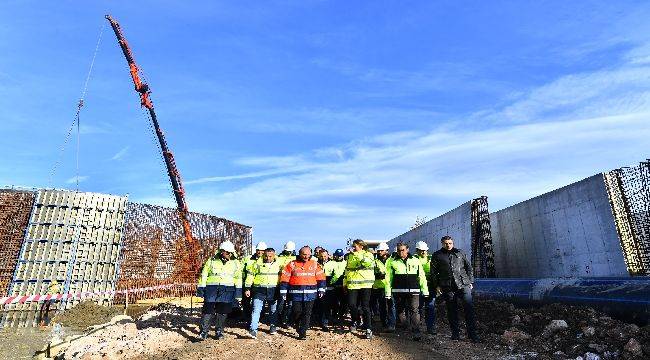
{"type": "Point", "coordinates": [85, 314]}
{"type": "Point", "coordinates": [560, 331]}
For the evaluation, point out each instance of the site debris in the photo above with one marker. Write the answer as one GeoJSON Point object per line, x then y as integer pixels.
{"type": "Point", "coordinates": [170, 330]}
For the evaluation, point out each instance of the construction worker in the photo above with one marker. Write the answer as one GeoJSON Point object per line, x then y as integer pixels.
{"type": "Point", "coordinates": [453, 278]}
{"type": "Point", "coordinates": [317, 250]}
{"type": "Point", "coordinates": [359, 278]}
{"type": "Point", "coordinates": [261, 286]}
{"type": "Point", "coordinates": [303, 280]}
{"type": "Point", "coordinates": [405, 280]}
{"type": "Point", "coordinates": [378, 299]}
{"type": "Point", "coordinates": [334, 271]}
{"type": "Point", "coordinates": [249, 262]}
{"type": "Point", "coordinates": [339, 301]}
{"type": "Point", "coordinates": [44, 315]}
{"type": "Point", "coordinates": [220, 285]}
{"type": "Point", "coordinates": [287, 255]}
{"type": "Point", "coordinates": [428, 302]}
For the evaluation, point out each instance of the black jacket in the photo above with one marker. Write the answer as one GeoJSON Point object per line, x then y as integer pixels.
{"type": "Point", "coordinates": [450, 269]}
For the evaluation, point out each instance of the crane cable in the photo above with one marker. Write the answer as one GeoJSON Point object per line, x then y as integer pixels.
{"type": "Point", "coordinates": [76, 120]}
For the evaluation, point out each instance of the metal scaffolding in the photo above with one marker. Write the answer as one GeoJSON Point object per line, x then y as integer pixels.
{"type": "Point", "coordinates": [629, 196]}
{"type": "Point", "coordinates": [482, 250]}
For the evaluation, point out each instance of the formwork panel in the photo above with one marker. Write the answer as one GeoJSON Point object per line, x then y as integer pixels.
{"type": "Point", "coordinates": [64, 243]}
{"type": "Point", "coordinates": [15, 209]}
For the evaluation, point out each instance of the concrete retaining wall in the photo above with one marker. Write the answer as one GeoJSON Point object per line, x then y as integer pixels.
{"type": "Point", "coordinates": [566, 232]}
{"type": "Point", "coordinates": [456, 223]}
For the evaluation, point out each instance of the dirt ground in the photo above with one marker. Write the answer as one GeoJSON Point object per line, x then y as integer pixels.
{"type": "Point", "coordinates": [170, 331]}
{"type": "Point", "coordinates": [176, 327]}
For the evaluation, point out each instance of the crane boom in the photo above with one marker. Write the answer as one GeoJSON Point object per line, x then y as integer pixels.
{"type": "Point", "coordinates": [174, 176]}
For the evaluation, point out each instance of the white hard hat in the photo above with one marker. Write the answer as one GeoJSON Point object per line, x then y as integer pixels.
{"type": "Point", "coordinates": [421, 245]}
{"type": "Point", "coordinates": [261, 246]}
{"type": "Point", "coordinates": [227, 246]}
{"type": "Point", "coordinates": [382, 246]}
{"type": "Point", "coordinates": [290, 246]}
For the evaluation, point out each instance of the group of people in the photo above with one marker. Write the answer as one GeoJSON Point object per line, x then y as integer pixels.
{"type": "Point", "coordinates": [314, 285]}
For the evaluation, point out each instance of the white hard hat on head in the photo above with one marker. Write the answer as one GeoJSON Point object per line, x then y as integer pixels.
{"type": "Point", "coordinates": [227, 246]}
{"type": "Point", "coordinates": [421, 245]}
{"type": "Point", "coordinates": [261, 246]}
{"type": "Point", "coordinates": [290, 246]}
{"type": "Point", "coordinates": [382, 246]}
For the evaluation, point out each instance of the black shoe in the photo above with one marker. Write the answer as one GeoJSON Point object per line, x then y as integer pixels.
{"type": "Point", "coordinates": [417, 337]}
{"type": "Point", "coordinates": [203, 335]}
{"type": "Point", "coordinates": [302, 336]}
{"type": "Point", "coordinates": [475, 339]}
{"type": "Point", "coordinates": [218, 335]}
{"type": "Point", "coordinates": [455, 337]}
{"type": "Point", "coordinates": [325, 328]}
{"type": "Point", "coordinates": [389, 329]}
{"type": "Point", "coordinates": [431, 332]}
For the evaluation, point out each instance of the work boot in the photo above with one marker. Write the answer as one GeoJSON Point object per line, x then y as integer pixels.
{"type": "Point", "coordinates": [252, 334]}
{"type": "Point", "coordinates": [274, 330]}
{"type": "Point", "coordinates": [368, 334]}
{"type": "Point", "coordinates": [206, 319]}
{"type": "Point", "coordinates": [220, 322]}
{"type": "Point", "coordinates": [474, 338]}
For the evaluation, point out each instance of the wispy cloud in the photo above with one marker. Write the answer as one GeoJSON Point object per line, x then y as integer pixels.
{"type": "Point", "coordinates": [558, 133]}
{"type": "Point", "coordinates": [74, 179]}
{"type": "Point", "coordinates": [120, 154]}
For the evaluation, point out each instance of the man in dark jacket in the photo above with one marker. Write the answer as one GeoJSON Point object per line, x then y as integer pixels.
{"type": "Point", "coordinates": [452, 278]}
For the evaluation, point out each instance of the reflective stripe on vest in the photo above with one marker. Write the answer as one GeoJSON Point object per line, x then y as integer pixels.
{"type": "Point", "coordinates": [405, 290]}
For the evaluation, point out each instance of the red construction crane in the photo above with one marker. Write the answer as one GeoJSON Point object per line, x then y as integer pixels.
{"type": "Point", "coordinates": [174, 176]}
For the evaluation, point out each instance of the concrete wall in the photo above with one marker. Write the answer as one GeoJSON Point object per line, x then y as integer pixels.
{"type": "Point", "coordinates": [566, 232]}
{"type": "Point", "coordinates": [456, 223]}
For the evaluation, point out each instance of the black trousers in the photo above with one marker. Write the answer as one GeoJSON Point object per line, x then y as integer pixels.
{"type": "Point", "coordinates": [332, 306]}
{"type": "Point", "coordinates": [379, 304]}
{"type": "Point", "coordinates": [407, 308]}
{"type": "Point", "coordinates": [301, 311]}
{"type": "Point", "coordinates": [360, 298]}
{"type": "Point", "coordinates": [451, 297]}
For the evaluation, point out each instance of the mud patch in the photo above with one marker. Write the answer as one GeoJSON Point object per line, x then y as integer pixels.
{"type": "Point", "coordinates": [86, 314]}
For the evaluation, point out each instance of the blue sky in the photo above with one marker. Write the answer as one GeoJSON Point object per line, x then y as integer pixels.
{"type": "Point", "coordinates": [316, 121]}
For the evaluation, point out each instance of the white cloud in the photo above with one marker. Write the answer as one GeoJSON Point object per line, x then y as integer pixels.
{"type": "Point", "coordinates": [74, 179]}
{"type": "Point", "coordinates": [558, 133]}
{"type": "Point", "coordinates": [600, 93]}
{"type": "Point", "coordinates": [120, 154]}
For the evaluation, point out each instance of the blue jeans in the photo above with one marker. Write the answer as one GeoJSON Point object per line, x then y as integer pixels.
{"type": "Point", "coordinates": [258, 305]}
{"type": "Point", "coordinates": [430, 311]}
